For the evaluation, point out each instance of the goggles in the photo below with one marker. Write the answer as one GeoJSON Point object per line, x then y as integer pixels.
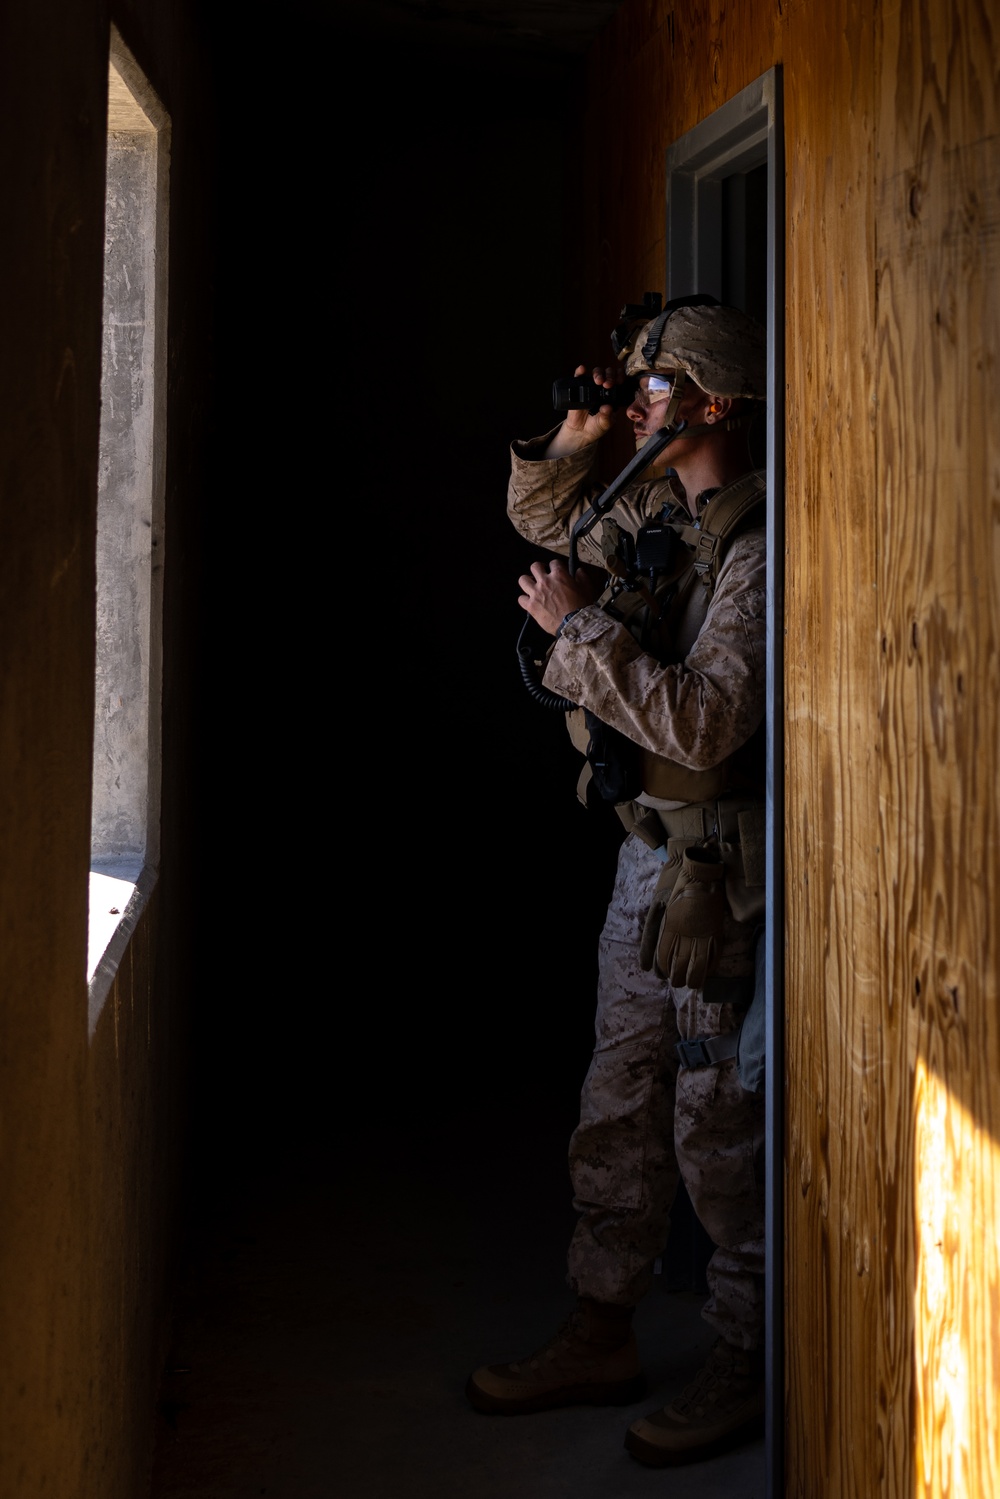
{"type": "Point", "coordinates": [653, 388]}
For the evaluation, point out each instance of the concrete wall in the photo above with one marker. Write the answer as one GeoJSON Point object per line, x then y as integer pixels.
{"type": "Point", "coordinates": [125, 814]}
{"type": "Point", "coordinates": [91, 1129]}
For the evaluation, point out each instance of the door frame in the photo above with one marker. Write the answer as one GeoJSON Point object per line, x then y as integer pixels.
{"type": "Point", "coordinates": [743, 133]}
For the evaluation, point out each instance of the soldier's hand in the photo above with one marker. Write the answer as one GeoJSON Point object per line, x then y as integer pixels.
{"type": "Point", "coordinates": [549, 592]}
{"type": "Point", "coordinates": [581, 427]}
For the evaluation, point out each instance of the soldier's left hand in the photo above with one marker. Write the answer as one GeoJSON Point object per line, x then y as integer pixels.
{"type": "Point", "coordinates": [550, 592]}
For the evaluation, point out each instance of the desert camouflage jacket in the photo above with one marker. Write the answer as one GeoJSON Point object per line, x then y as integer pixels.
{"type": "Point", "coordinates": [699, 700]}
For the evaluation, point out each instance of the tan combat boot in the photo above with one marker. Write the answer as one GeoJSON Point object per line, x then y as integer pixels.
{"type": "Point", "coordinates": [592, 1360]}
{"type": "Point", "coordinates": [721, 1407]}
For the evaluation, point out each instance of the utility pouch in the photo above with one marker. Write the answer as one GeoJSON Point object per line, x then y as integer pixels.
{"type": "Point", "coordinates": [614, 761]}
{"type": "Point", "coordinates": [682, 936]}
{"type": "Point", "coordinates": [746, 901]}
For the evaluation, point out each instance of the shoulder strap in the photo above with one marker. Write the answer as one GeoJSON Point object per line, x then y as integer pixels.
{"type": "Point", "coordinates": [724, 517]}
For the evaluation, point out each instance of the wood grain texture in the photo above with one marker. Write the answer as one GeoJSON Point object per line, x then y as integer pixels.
{"type": "Point", "coordinates": [938, 194]}
{"type": "Point", "coordinates": [892, 687]}
{"type": "Point", "coordinates": [835, 1235]}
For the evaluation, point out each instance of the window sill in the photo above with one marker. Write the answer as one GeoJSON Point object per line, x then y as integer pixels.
{"type": "Point", "coordinates": [119, 890]}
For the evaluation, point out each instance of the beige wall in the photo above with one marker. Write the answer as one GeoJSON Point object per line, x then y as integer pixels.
{"type": "Point", "coordinates": [892, 613]}
{"type": "Point", "coordinates": [88, 1129]}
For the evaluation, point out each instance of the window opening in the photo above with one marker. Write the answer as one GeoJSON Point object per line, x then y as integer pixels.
{"type": "Point", "coordinates": [125, 801]}
{"type": "Point", "coordinates": [744, 241]}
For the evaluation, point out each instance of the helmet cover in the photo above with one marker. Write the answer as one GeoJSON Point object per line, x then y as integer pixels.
{"type": "Point", "coordinates": [723, 349]}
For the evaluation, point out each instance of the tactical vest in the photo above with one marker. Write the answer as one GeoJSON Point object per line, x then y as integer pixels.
{"type": "Point", "coordinates": [683, 592]}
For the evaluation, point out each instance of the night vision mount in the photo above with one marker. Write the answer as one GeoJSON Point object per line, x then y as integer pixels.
{"type": "Point", "coordinates": [633, 316]}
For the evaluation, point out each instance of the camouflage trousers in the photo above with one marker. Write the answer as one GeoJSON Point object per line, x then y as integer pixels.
{"type": "Point", "coordinates": [645, 1121]}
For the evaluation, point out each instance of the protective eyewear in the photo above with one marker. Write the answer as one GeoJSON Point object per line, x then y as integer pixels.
{"type": "Point", "coordinates": [653, 388]}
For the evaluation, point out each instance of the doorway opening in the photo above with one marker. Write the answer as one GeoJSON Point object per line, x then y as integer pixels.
{"type": "Point", "coordinates": [725, 236]}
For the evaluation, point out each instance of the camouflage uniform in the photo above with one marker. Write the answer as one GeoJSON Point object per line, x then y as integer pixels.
{"type": "Point", "coordinates": [643, 1118]}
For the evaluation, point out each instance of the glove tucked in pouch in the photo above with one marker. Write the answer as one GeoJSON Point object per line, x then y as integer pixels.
{"type": "Point", "coordinates": [702, 879]}
{"type": "Point", "coordinates": [682, 935]}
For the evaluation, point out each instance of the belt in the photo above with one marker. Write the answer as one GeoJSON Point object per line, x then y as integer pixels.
{"type": "Point", "coordinates": [696, 820]}
{"type": "Point", "coordinates": [708, 1051]}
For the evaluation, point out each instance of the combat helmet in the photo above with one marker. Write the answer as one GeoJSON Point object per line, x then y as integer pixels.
{"type": "Point", "coordinates": [723, 349]}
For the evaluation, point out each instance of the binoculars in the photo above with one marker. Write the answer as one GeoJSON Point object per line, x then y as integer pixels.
{"type": "Point", "coordinates": [578, 392]}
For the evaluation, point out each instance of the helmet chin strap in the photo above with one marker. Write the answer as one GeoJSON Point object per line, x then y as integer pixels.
{"type": "Point", "coordinates": [731, 424]}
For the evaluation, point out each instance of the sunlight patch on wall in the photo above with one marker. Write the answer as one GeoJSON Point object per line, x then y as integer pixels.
{"type": "Point", "coordinates": [957, 1297]}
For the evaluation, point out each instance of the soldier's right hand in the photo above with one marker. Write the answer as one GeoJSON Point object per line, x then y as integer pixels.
{"type": "Point", "coordinates": [581, 427]}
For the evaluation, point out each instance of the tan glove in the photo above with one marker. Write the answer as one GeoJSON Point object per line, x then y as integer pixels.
{"type": "Point", "coordinates": [683, 931]}
{"type": "Point", "coordinates": [664, 888]}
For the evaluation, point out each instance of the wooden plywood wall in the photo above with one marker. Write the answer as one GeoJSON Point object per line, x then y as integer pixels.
{"type": "Point", "coordinates": [835, 1236]}
{"type": "Point", "coordinates": [938, 586]}
{"type": "Point", "coordinates": [892, 616]}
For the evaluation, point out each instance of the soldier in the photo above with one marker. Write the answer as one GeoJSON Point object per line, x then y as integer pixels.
{"type": "Point", "coordinates": [664, 675]}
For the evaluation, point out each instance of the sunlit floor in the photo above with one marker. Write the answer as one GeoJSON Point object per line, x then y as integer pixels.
{"type": "Point", "coordinates": [331, 1312]}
